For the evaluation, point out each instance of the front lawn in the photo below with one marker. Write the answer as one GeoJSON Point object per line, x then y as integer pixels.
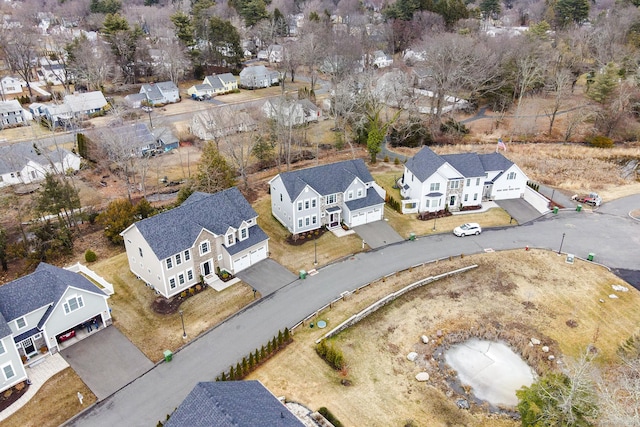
{"type": "Point", "coordinates": [152, 332]}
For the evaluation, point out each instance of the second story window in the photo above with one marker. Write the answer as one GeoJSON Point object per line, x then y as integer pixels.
{"type": "Point", "coordinates": [243, 234]}
{"type": "Point", "coordinates": [187, 255]}
{"type": "Point", "coordinates": [178, 259]}
{"type": "Point", "coordinates": [313, 203]}
{"type": "Point", "coordinates": [435, 186]}
{"type": "Point", "coordinates": [169, 263]}
{"type": "Point", "coordinates": [204, 248]}
{"type": "Point", "coordinates": [300, 205]}
{"type": "Point", "coordinates": [230, 239]}
{"type": "Point", "coordinates": [331, 198]}
{"type": "Point", "coordinates": [21, 322]}
{"type": "Point", "coordinates": [73, 304]}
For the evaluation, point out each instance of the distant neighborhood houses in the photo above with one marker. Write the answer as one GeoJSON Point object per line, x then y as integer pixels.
{"type": "Point", "coordinates": [160, 93]}
{"type": "Point", "coordinates": [258, 76]}
{"type": "Point", "coordinates": [21, 163]}
{"type": "Point", "coordinates": [75, 106]}
{"type": "Point", "coordinates": [213, 85]}
{"type": "Point", "coordinates": [189, 245]}
{"type": "Point", "coordinates": [12, 85]}
{"type": "Point", "coordinates": [291, 112]}
{"type": "Point", "coordinates": [137, 138]}
{"type": "Point", "coordinates": [37, 313]}
{"type": "Point", "coordinates": [12, 114]}
{"type": "Point", "coordinates": [433, 182]}
{"type": "Point", "coordinates": [221, 121]}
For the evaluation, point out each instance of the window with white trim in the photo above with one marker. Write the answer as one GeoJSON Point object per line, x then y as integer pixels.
{"type": "Point", "coordinates": [307, 221]}
{"type": "Point", "coordinates": [314, 219]}
{"type": "Point", "coordinates": [454, 184]}
{"type": "Point", "coordinates": [331, 198]}
{"type": "Point", "coordinates": [72, 304]}
{"type": "Point", "coordinates": [243, 233]}
{"type": "Point", "coordinates": [8, 372]}
{"type": "Point", "coordinates": [350, 195]}
{"type": "Point", "coordinates": [178, 259]}
{"type": "Point", "coordinates": [230, 239]}
{"type": "Point", "coordinates": [181, 278]}
{"type": "Point", "coordinates": [300, 205]}
{"type": "Point", "coordinates": [426, 203]}
{"type": "Point", "coordinates": [300, 223]}
{"type": "Point", "coordinates": [468, 182]}
{"type": "Point", "coordinates": [435, 186]}
{"type": "Point", "coordinates": [204, 247]}
{"type": "Point", "coordinates": [359, 193]}
{"type": "Point", "coordinates": [280, 196]}
{"type": "Point", "coordinates": [169, 263]}
{"type": "Point", "coordinates": [466, 197]}
{"type": "Point", "coordinates": [21, 322]}
{"type": "Point", "coordinates": [512, 175]}
{"type": "Point", "coordinates": [187, 255]}
{"type": "Point", "coordinates": [172, 282]}
{"type": "Point", "coordinates": [313, 202]}
{"type": "Point", "coordinates": [2, 349]}
{"type": "Point", "coordinates": [190, 275]}
{"type": "Point", "coordinates": [306, 204]}
{"type": "Point", "coordinates": [475, 196]}
{"type": "Point", "coordinates": [477, 181]}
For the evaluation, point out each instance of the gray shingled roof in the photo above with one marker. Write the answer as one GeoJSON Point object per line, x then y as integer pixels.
{"type": "Point", "coordinates": [43, 287]}
{"type": "Point", "coordinates": [232, 404]}
{"type": "Point", "coordinates": [372, 199]}
{"type": "Point", "coordinates": [424, 164]}
{"type": "Point", "coordinates": [15, 156]}
{"type": "Point", "coordinates": [326, 179]}
{"type": "Point", "coordinates": [495, 162]}
{"type": "Point", "coordinates": [227, 78]}
{"type": "Point", "coordinates": [177, 229]}
{"type": "Point", "coordinates": [256, 235]}
{"type": "Point", "coordinates": [214, 82]}
{"type": "Point", "coordinates": [468, 164]}
{"type": "Point", "coordinates": [10, 106]}
{"type": "Point", "coordinates": [5, 330]}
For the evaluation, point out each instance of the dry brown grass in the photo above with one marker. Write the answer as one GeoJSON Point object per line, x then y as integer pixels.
{"type": "Point", "coordinates": [513, 295]}
{"type": "Point", "coordinates": [295, 258]}
{"type": "Point", "coordinates": [54, 403]}
{"type": "Point", "coordinates": [151, 332]}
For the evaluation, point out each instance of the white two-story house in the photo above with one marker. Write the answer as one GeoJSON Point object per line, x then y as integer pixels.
{"type": "Point", "coordinates": [208, 233]}
{"type": "Point", "coordinates": [37, 309]}
{"type": "Point", "coordinates": [431, 183]}
{"type": "Point", "coordinates": [326, 195]}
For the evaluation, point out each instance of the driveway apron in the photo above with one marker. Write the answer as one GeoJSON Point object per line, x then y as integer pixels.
{"type": "Point", "coordinates": [378, 234]}
{"type": "Point", "coordinates": [106, 361]}
{"type": "Point", "coordinates": [519, 209]}
{"type": "Point", "coordinates": [266, 277]}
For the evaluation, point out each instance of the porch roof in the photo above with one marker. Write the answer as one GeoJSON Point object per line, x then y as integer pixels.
{"type": "Point", "coordinates": [25, 335]}
{"type": "Point", "coordinates": [434, 194]}
{"type": "Point", "coordinates": [334, 209]}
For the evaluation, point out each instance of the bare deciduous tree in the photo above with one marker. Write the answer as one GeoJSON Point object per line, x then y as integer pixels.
{"type": "Point", "coordinates": [19, 48]}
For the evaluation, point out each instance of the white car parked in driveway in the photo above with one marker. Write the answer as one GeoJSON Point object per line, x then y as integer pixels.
{"type": "Point", "coordinates": [467, 229]}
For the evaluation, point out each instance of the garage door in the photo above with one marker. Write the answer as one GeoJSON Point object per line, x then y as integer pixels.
{"type": "Point", "coordinates": [258, 255]}
{"type": "Point", "coordinates": [241, 263]}
{"type": "Point", "coordinates": [374, 215]}
{"type": "Point", "coordinates": [358, 219]}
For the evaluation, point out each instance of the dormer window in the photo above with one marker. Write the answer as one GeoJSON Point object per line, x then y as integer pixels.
{"type": "Point", "coordinates": [350, 195]}
{"type": "Point", "coordinates": [359, 192]}
{"type": "Point", "coordinates": [21, 322]}
{"type": "Point", "coordinates": [243, 233]}
{"type": "Point", "coordinates": [230, 239]}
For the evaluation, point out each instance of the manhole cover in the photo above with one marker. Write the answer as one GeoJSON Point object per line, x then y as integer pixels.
{"type": "Point", "coordinates": [321, 324]}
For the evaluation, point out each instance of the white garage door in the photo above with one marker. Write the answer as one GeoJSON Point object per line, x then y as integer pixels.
{"type": "Point", "coordinates": [374, 215]}
{"type": "Point", "coordinates": [358, 219]}
{"type": "Point", "coordinates": [241, 263]}
{"type": "Point", "coordinates": [258, 254]}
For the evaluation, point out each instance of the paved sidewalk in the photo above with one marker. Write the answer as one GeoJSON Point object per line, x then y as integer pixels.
{"type": "Point", "coordinates": [38, 375]}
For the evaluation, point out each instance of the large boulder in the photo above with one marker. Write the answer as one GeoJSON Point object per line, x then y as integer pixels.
{"type": "Point", "coordinates": [422, 376]}
{"type": "Point", "coordinates": [425, 339]}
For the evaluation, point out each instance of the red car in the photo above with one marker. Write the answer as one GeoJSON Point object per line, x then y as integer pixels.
{"type": "Point", "coordinates": [66, 335]}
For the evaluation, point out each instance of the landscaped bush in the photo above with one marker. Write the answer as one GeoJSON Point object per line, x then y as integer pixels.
{"type": "Point", "coordinates": [394, 204]}
{"type": "Point", "coordinates": [330, 417]}
{"type": "Point", "coordinates": [330, 354]}
{"type": "Point", "coordinates": [90, 256]}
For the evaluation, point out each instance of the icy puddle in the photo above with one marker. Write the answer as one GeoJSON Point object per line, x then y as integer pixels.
{"type": "Point", "coordinates": [491, 368]}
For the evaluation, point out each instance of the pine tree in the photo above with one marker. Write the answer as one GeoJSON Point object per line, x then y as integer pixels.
{"type": "Point", "coordinates": [263, 355]}
{"type": "Point", "coordinates": [280, 339]}
{"type": "Point", "coordinates": [232, 374]}
{"type": "Point", "coordinates": [287, 335]}
{"type": "Point", "coordinates": [239, 371]}
{"type": "Point", "coordinates": [269, 349]}
{"type": "Point", "coordinates": [252, 362]}
{"type": "Point", "coordinates": [214, 173]}
{"type": "Point", "coordinates": [245, 366]}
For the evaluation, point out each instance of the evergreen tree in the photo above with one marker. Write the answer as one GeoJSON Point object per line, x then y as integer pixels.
{"type": "Point", "coordinates": [568, 11]}
{"type": "Point", "coordinates": [280, 340]}
{"type": "Point", "coordinates": [263, 354]}
{"type": "Point", "coordinates": [3, 248]}
{"type": "Point", "coordinates": [214, 173]}
{"type": "Point", "coordinates": [490, 8]}
{"type": "Point", "coordinates": [251, 363]}
{"type": "Point", "coordinates": [239, 371]}
{"type": "Point", "coordinates": [232, 374]}
{"type": "Point", "coordinates": [119, 215]}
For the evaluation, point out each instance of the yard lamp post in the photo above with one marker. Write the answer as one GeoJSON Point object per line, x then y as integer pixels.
{"type": "Point", "coordinates": [561, 242]}
{"type": "Point", "coordinates": [434, 223]}
{"type": "Point", "coordinates": [184, 332]}
{"type": "Point", "coordinates": [315, 253]}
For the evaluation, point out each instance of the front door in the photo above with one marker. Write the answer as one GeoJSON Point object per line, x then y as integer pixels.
{"type": "Point", "coordinates": [334, 219]}
{"type": "Point", "coordinates": [206, 268]}
{"type": "Point", "coordinates": [28, 346]}
{"type": "Point", "coordinates": [452, 201]}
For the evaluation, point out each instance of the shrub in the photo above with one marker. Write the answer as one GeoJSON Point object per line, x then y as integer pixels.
{"type": "Point", "coordinates": [330, 417]}
{"type": "Point", "coordinates": [330, 354]}
{"type": "Point", "coordinates": [90, 256]}
{"type": "Point", "coordinates": [396, 161]}
{"type": "Point", "coordinates": [386, 159]}
{"type": "Point", "coordinates": [600, 141]}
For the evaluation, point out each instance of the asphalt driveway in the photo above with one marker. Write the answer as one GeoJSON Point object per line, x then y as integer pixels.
{"type": "Point", "coordinates": [267, 276]}
{"type": "Point", "coordinates": [106, 361]}
{"type": "Point", "coordinates": [519, 209]}
{"type": "Point", "coordinates": [378, 234]}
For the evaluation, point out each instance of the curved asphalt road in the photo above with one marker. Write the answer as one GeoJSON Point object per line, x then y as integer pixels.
{"type": "Point", "coordinates": [609, 232]}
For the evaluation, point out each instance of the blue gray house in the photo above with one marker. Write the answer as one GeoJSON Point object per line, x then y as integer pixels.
{"type": "Point", "coordinates": [327, 195]}
{"type": "Point", "coordinates": [232, 404]}
{"type": "Point", "coordinates": [37, 310]}
{"type": "Point", "coordinates": [161, 93]}
{"type": "Point", "coordinates": [208, 232]}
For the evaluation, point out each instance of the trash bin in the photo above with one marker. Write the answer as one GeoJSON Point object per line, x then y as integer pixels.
{"type": "Point", "coordinates": [412, 236]}
{"type": "Point", "coordinates": [168, 355]}
{"type": "Point", "coordinates": [303, 274]}
{"type": "Point", "coordinates": [555, 209]}
{"type": "Point", "coordinates": [579, 208]}
{"type": "Point", "coordinates": [590, 256]}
